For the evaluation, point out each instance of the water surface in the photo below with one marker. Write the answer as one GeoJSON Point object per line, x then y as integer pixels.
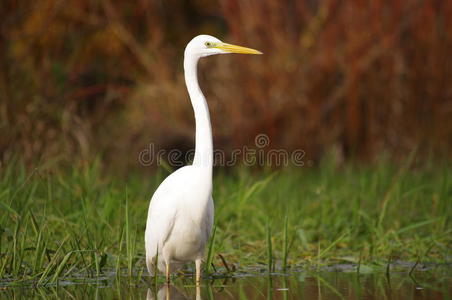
{"type": "Point", "coordinates": [337, 283]}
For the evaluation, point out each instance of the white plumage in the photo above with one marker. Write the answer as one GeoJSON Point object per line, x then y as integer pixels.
{"type": "Point", "coordinates": [181, 211]}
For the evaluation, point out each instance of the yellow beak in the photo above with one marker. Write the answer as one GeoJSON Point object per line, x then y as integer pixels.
{"type": "Point", "coordinates": [236, 49]}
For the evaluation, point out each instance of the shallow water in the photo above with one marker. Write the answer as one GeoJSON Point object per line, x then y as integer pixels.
{"type": "Point", "coordinates": [433, 284]}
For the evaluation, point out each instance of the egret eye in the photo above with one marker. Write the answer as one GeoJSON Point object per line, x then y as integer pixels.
{"type": "Point", "coordinates": [208, 44]}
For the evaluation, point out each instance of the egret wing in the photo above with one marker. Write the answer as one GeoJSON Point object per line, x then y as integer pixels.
{"type": "Point", "coordinates": [160, 223]}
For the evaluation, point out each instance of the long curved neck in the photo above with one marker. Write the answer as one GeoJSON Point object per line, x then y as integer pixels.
{"type": "Point", "coordinates": [203, 144]}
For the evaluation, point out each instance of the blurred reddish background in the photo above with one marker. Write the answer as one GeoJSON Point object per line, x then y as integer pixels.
{"type": "Point", "coordinates": [81, 78]}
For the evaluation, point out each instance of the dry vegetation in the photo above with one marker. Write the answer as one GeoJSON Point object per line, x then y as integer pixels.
{"type": "Point", "coordinates": [83, 78]}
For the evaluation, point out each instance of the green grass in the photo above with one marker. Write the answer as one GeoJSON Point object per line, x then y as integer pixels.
{"type": "Point", "coordinates": [80, 223]}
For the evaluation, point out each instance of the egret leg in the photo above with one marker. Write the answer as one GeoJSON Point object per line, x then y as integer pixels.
{"type": "Point", "coordinates": [198, 292]}
{"type": "Point", "coordinates": [168, 297]}
{"type": "Point", "coordinates": [167, 273]}
{"type": "Point", "coordinates": [198, 271]}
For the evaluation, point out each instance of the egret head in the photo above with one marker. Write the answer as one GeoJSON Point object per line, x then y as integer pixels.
{"type": "Point", "coordinates": [205, 45]}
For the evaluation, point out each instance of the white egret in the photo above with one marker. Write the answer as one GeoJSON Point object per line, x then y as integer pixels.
{"type": "Point", "coordinates": [180, 215]}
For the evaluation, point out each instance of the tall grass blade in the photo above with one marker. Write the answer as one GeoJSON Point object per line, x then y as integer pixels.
{"type": "Point", "coordinates": [210, 250]}
{"type": "Point", "coordinates": [325, 251]}
{"type": "Point", "coordinates": [269, 250]}
{"type": "Point", "coordinates": [285, 244]}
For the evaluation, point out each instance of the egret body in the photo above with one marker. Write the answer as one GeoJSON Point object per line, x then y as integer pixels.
{"type": "Point", "coordinates": [180, 215]}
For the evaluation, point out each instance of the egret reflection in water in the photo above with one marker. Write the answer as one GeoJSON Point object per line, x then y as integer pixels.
{"type": "Point", "coordinates": [170, 292]}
